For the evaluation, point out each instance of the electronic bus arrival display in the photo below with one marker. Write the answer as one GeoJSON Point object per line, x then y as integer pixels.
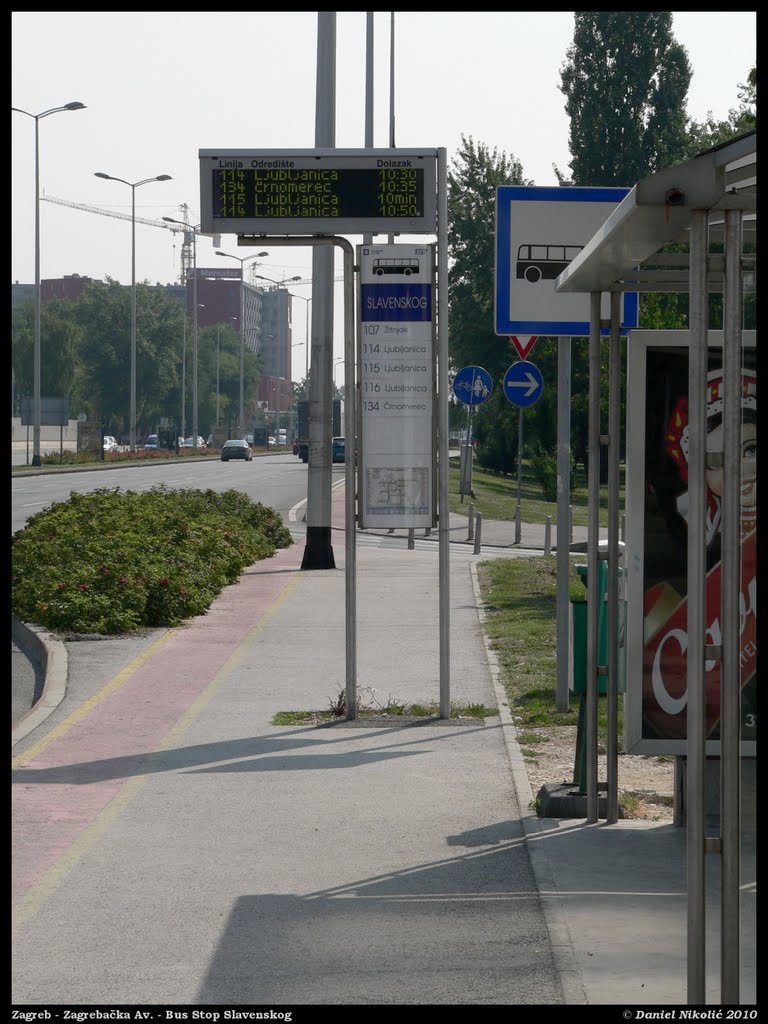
{"type": "Point", "coordinates": [318, 191]}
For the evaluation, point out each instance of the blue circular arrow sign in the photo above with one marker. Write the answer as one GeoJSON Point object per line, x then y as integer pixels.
{"type": "Point", "coordinates": [523, 384]}
{"type": "Point", "coordinates": [472, 385]}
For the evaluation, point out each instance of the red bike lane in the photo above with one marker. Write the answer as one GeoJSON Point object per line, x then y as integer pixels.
{"type": "Point", "coordinates": [69, 778]}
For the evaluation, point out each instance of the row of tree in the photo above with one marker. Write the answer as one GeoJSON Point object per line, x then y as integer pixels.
{"type": "Point", "coordinates": [625, 80]}
{"type": "Point", "coordinates": [85, 348]}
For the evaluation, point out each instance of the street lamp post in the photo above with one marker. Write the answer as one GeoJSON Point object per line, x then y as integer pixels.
{"type": "Point", "coordinates": [36, 403]}
{"type": "Point", "coordinates": [193, 231]}
{"type": "Point", "coordinates": [306, 331]}
{"type": "Point", "coordinates": [184, 379]}
{"type": "Point", "coordinates": [242, 261]}
{"type": "Point", "coordinates": [133, 185]}
{"type": "Point", "coordinates": [218, 356]}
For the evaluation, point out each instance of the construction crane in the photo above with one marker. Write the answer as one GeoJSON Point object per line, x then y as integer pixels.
{"type": "Point", "coordinates": [187, 247]}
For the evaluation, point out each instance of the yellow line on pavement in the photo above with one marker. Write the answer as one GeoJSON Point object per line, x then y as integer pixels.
{"type": "Point", "coordinates": [37, 896]}
{"type": "Point", "coordinates": [87, 706]}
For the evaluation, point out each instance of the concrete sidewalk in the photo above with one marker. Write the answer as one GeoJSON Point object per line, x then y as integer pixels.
{"type": "Point", "coordinates": [172, 846]}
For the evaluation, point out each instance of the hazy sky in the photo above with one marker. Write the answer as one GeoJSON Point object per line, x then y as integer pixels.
{"type": "Point", "coordinates": [160, 86]}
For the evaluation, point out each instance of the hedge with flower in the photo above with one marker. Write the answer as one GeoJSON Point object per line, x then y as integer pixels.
{"type": "Point", "coordinates": [112, 561]}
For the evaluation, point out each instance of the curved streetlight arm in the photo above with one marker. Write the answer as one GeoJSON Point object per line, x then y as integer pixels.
{"type": "Point", "coordinates": [133, 184]}
{"type": "Point", "coordinates": [242, 260]}
{"type": "Point", "coordinates": [286, 280]}
{"type": "Point", "coordinates": [76, 105]}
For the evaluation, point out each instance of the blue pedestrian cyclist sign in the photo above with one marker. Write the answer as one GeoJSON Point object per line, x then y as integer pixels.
{"type": "Point", "coordinates": [472, 385]}
{"type": "Point", "coordinates": [523, 384]}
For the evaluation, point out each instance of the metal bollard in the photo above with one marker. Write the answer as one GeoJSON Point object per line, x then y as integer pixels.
{"type": "Point", "coordinates": [548, 536]}
{"type": "Point", "coordinates": [478, 532]}
{"type": "Point", "coordinates": [517, 525]}
{"type": "Point", "coordinates": [471, 521]}
{"type": "Point", "coordinates": [411, 542]}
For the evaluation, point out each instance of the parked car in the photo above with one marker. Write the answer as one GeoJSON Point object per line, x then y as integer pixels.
{"type": "Point", "coordinates": [236, 450]}
{"type": "Point", "coordinates": [110, 443]}
{"type": "Point", "coordinates": [189, 442]}
{"type": "Point", "coordinates": [271, 442]}
{"type": "Point", "coordinates": [151, 442]}
{"type": "Point", "coordinates": [337, 449]}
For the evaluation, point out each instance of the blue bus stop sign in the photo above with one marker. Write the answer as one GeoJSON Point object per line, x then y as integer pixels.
{"type": "Point", "coordinates": [523, 384]}
{"type": "Point", "coordinates": [472, 385]}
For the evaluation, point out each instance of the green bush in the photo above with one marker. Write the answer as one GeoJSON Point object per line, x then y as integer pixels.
{"type": "Point", "coordinates": [544, 466]}
{"type": "Point", "coordinates": [114, 561]}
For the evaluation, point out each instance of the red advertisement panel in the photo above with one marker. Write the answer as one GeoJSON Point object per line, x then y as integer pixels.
{"type": "Point", "coordinates": [665, 606]}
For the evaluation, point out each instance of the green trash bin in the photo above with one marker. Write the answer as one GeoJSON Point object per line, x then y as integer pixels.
{"type": "Point", "coordinates": [579, 633]}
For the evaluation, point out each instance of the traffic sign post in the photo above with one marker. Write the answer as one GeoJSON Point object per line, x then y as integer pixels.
{"type": "Point", "coordinates": [472, 386]}
{"type": "Point", "coordinates": [523, 384]}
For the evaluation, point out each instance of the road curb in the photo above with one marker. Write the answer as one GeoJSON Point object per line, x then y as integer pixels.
{"type": "Point", "coordinates": [566, 964]}
{"type": "Point", "coordinates": [51, 654]}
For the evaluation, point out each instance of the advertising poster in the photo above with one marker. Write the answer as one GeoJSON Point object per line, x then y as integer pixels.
{"type": "Point", "coordinates": [658, 444]}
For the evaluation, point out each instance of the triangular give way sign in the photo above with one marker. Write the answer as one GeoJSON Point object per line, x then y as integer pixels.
{"type": "Point", "coordinates": [523, 343]}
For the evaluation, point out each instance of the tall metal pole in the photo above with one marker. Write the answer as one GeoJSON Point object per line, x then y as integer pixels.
{"type": "Point", "coordinates": [218, 353]}
{"type": "Point", "coordinates": [242, 261]}
{"type": "Point", "coordinates": [731, 609]}
{"type": "Point", "coordinates": [194, 341]}
{"type": "Point", "coordinates": [241, 410]}
{"type": "Point", "coordinates": [133, 185]}
{"type": "Point", "coordinates": [36, 402]}
{"type": "Point", "coordinates": [184, 378]}
{"type": "Point", "coordinates": [306, 341]}
{"type": "Point", "coordinates": [318, 550]}
{"type": "Point", "coordinates": [593, 536]}
{"type": "Point", "coordinates": [132, 417]}
{"type": "Point", "coordinates": [696, 741]}
{"type": "Point", "coordinates": [36, 374]}
{"type": "Point", "coordinates": [563, 525]}
{"type": "Point", "coordinates": [520, 421]}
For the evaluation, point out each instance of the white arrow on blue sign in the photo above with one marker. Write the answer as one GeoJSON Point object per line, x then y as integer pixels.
{"type": "Point", "coordinates": [472, 385]}
{"type": "Point", "coordinates": [523, 384]}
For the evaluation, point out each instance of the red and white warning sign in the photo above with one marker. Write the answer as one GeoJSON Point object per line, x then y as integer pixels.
{"type": "Point", "coordinates": [523, 343]}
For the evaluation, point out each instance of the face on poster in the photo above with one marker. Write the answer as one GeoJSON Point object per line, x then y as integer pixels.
{"type": "Point", "coordinates": [665, 522]}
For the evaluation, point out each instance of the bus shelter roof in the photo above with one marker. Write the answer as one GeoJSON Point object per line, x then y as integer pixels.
{"type": "Point", "coordinates": [625, 253]}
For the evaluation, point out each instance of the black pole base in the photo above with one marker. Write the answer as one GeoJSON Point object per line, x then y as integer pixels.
{"type": "Point", "coordinates": [318, 552]}
{"type": "Point", "coordinates": [36, 460]}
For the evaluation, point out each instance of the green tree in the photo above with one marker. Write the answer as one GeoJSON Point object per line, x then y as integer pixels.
{"type": "Point", "coordinates": [625, 79]}
{"type": "Point", "coordinates": [476, 172]}
{"type": "Point", "coordinates": [61, 367]}
{"type": "Point", "coordinates": [706, 134]}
